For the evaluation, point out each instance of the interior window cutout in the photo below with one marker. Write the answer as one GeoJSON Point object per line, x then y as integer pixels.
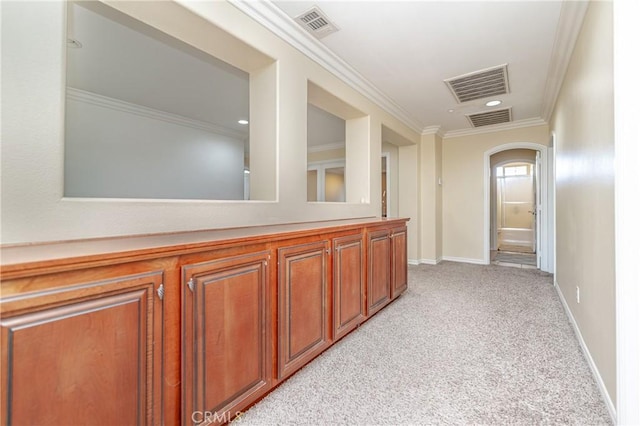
{"type": "Point", "coordinates": [337, 147]}
{"type": "Point", "coordinates": [325, 156]}
{"type": "Point", "coordinates": [149, 116]}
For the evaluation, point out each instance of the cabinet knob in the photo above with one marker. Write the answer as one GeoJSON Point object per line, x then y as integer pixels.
{"type": "Point", "coordinates": [160, 291]}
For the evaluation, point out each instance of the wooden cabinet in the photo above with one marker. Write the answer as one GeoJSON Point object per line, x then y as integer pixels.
{"type": "Point", "coordinates": [398, 261]}
{"type": "Point", "coordinates": [226, 340]}
{"type": "Point", "coordinates": [303, 305]}
{"type": "Point", "coordinates": [183, 328]}
{"type": "Point", "coordinates": [349, 307]}
{"type": "Point", "coordinates": [379, 277]}
{"type": "Point", "coordinates": [85, 353]}
{"type": "Point", "coordinates": [387, 259]}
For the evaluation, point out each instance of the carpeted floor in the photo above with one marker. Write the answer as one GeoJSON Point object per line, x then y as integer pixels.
{"type": "Point", "coordinates": [466, 344]}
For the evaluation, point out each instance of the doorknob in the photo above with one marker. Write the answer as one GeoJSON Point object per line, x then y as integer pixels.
{"type": "Point", "coordinates": [533, 212]}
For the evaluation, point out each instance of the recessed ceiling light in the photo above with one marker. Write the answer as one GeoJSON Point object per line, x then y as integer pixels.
{"type": "Point", "coordinates": [450, 110]}
{"type": "Point", "coordinates": [243, 121]}
{"type": "Point", "coordinates": [493, 103]}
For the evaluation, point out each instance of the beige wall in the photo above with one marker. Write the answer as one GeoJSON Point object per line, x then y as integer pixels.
{"type": "Point", "coordinates": [409, 196]}
{"type": "Point", "coordinates": [463, 188]}
{"type": "Point", "coordinates": [33, 208]}
{"type": "Point", "coordinates": [430, 158]}
{"type": "Point", "coordinates": [583, 123]}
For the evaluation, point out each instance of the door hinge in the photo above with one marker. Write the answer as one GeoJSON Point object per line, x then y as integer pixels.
{"type": "Point", "coordinates": [160, 291]}
{"type": "Point", "coordinates": [191, 285]}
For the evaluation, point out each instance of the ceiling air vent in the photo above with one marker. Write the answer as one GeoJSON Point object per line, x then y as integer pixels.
{"type": "Point", "coordinates": [316, 22]}
{"type": "Point", "coordinates": [479, 84]}
{"type": "Point", "coordinates": [492, 117]}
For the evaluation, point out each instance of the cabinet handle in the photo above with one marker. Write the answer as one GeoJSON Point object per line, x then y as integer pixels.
{"type": "Point", "coordinates": [160, 291]}
{"type": "Point", "coordinates": [190, 285]}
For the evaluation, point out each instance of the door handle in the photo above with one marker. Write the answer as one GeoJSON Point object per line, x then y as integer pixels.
{"type": "Point", "coordinates": [533, 212]}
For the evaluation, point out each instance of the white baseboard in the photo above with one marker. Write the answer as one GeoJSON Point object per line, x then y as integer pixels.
{"type": "Point", "coordinates": [592, 365]}
{"type": "Point", "coordinates": [430, 261]}
{"type": "Point", "coordinates": [464, 260]}
{"type": "Point", "coordinates": [413, 262]}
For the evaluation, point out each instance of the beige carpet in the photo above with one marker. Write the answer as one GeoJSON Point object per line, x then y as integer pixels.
{"type": "Point", "coordinates": [466, 344]}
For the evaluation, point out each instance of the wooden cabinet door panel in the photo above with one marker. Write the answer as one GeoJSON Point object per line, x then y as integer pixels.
{"type": "Point", "coordinates": [348, 284]}
{"type": "Point", "coordinates": [398, 261]}
{"type": "Point", "coordinates": [74, 357]}
{"type": "Point", "coordinates": [226, 341]}
{"type": "Point", "coordinates": [379, 279]}
{"type": "Point", "coordinates": [303, 305]}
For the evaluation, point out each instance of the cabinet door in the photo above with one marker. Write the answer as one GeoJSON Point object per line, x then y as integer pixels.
{"type": "Point", "coordinates": [348, 284]}
{"type": "Point", "coordinates": [398, 261]}
{"type": "Point", "coordinates": [302, 305]}
{"type": "Point", "coordinates": [379, 280]}
{"type": "Point", "coordinates": [84, 353]}
{"type": "Point", "coordinates": [226, 342]}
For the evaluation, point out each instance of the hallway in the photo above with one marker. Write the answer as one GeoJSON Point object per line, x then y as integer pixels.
{"type": "Point", "coordinates": [466, 344]}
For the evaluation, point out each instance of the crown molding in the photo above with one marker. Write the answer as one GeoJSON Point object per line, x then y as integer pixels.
{"type": "Point", "coordinates": [432, 130]}
{"type": "Point", "coordinates": [274, 19]}
{"type": "Point", "coordinates": [326, 147]}
{"type": "Point", "coordinates": [496, 128]}
{"type": "Point", "coordinates": [143, 111]}
{"type": "Point", "coordinates": [571, 16]}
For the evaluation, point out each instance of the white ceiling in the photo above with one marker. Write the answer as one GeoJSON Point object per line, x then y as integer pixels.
{"type": "Point", "coordinates": [406, 49]}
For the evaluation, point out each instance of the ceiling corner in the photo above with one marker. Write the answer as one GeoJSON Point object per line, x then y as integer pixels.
{"type": "Point", "coordinates": [496, 127]}
{"type": "Point", "coordinates": [432, 130]}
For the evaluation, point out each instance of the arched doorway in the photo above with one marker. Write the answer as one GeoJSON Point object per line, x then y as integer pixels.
{"type": "Point", "coordinates": [513, 208]}
{"type": "Point", "coordinates": [542, 230]}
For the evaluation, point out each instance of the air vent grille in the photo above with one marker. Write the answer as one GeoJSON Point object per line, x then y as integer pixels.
{"type": "Point", "coordinates": [479, 84]}
{"type": "Point", "coordinates": [316, 22]}
{"type": "Point", "coordinates": [492, 117]}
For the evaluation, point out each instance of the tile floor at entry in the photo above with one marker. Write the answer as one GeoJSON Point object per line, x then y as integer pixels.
{"type": "Point", "coordinates": [513, 259]}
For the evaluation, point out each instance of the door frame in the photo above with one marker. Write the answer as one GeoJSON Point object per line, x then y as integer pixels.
{"type": "Point", "coordinates": [541, 216]}
{"type": "Point", "coordinates": [387, 156]}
